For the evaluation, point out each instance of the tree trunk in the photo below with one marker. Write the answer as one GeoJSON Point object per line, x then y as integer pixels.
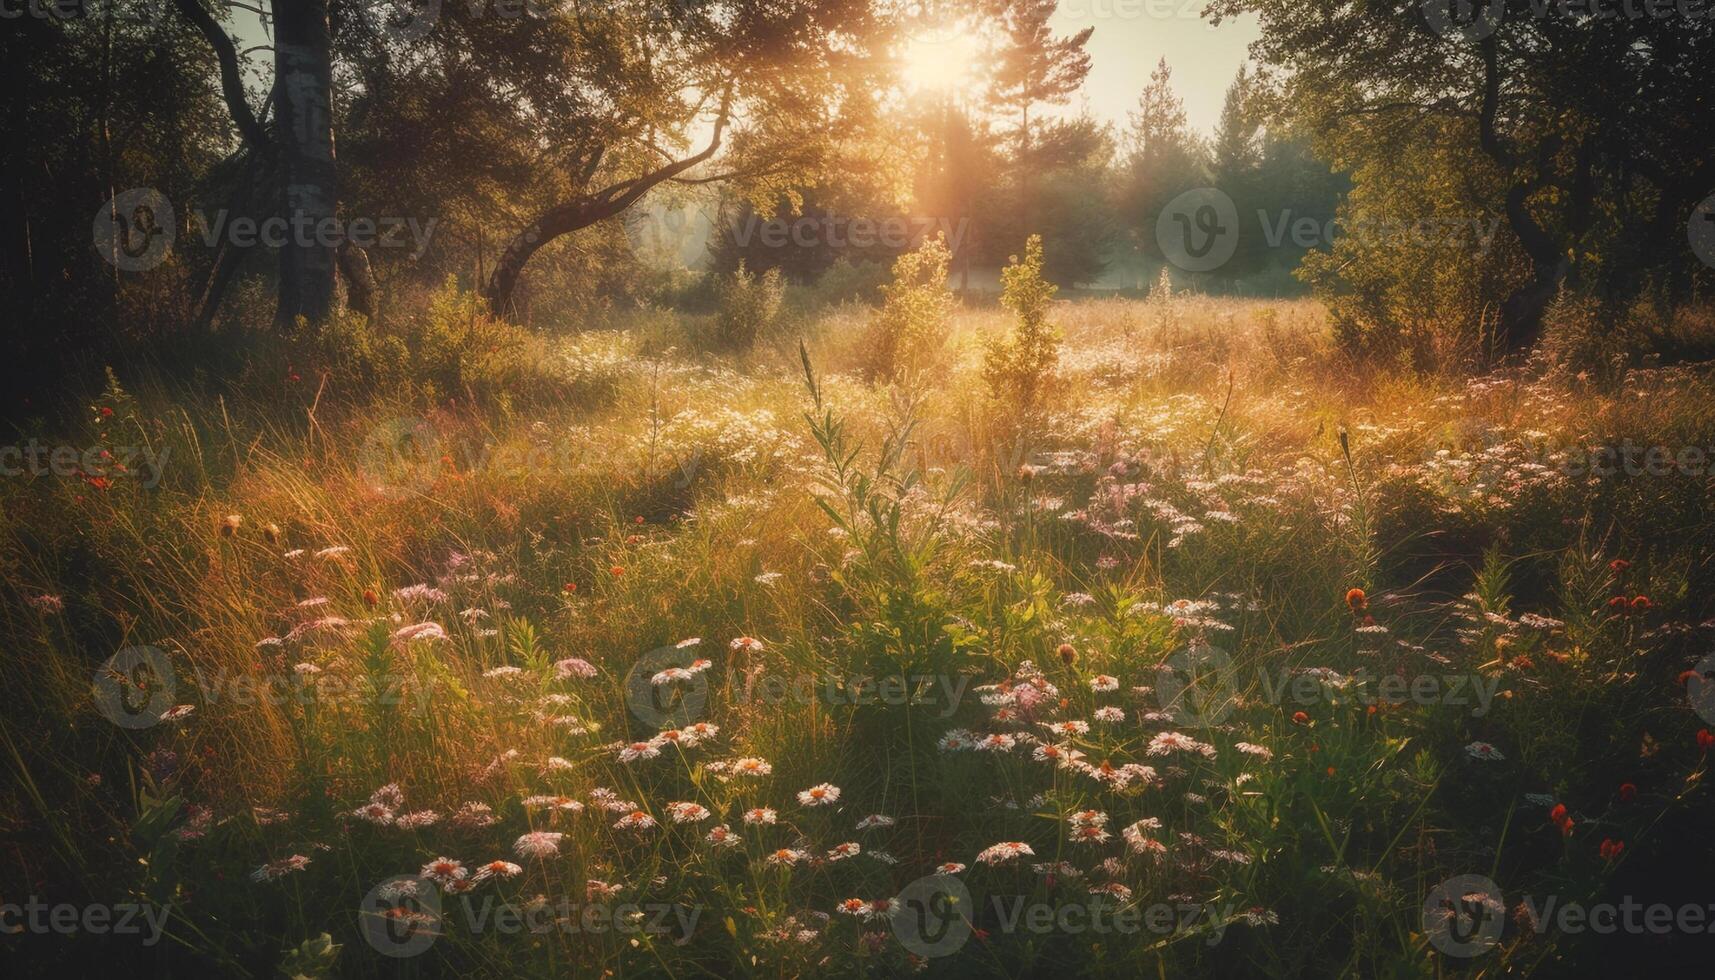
{"type": "Point", "coordinates": [303, 76]}
{"type": "Point", "coordinates": [354, 268]}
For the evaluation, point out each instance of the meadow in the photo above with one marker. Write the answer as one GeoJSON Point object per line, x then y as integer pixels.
{"type": "Point", "coordinates": [1226, 657]}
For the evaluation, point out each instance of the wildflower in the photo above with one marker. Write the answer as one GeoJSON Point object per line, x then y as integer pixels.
{"type": "Point", "coordinates": [875, 820]}
{"type": "Point", "coordinates": [570, 588]}
{"type": "Point", "coordinates": [1103, 683]}
{"type": "Point", "coordinates": [370, 598]}
{"type": "Point", "coordinates": [1562, 819]}
{"type": "Point", "coordinates": [785, 857]}
{"type": "Point", "coordinates": [1137, 836]}
{"type": "Point", "coordinates": [949, 868]}
{"type": "Point", "coordinates": [1004, 851]}
{"type": "Point", "coordinates": [275, 870]}
{"type": "Point", "coordinates": [957, 740]}
{"type": "Point", "coordinates": [48, 605]}
{"type": "Point", "coordinates": [1641, 604]}
{"type": "Point", "coordinates": [852, 906]}
{"type": "Point", "coordinates": [635, 820]}
{"type": "Point", "coordinates": [178, 712]}
{"type": "Point", "coordinates": [759, 815]}
{"type": "Point", "coordinates": [1300, 718]}
{"type": "Point", "coordinates": [1356, 600]}
{"type": "Point", "coordinates": [751, 766]}
{"type": "Point", "coordinates": [498, 869]}
{"type": "Point", "coordinates": [390, 796]}
{"type": "Point", "coordinates": [1705, 740]}
{"type": "Point", "coordinates": [596, 890]}
{"type": "Point", "coordinates": [426, 595]}
{"type": "Point", "coordinates": [1628, 792]}
{"type": "Point", "coordinates": [573, 667]}
{"type": "Point", "coordinates": [229, 525]}
{"type": "Point", "coordinates": [419, 632]}
{"type": "Point", "coordinates": [1067, 729]}
{"type": "Point", "coordinates": [1067, 653]}
{"type": "Point", "coordinates": [1260, 751]}
{"type": "Point", "coordinates": [996, 743]}
{"type": "Point", "coordinates": [1484, 751]}
{"type": "Point", "coordinates": [840, 852]}
{"type": "Point", "coordinates": [722, 836]}
{"type": "Point", "coordinates": [687, 812]}
{"type": "Point", "coordinates": [444, 869]}
{"type": "Point", "coordinates": [1110, 715]}
{"type": "Point", "coordinates": [1619, 565]}
{"type": "Point", "coordinates": [638, 750]}
{"type": "Point", "coordinates": [746, 644]}
{"type": "Point", "coordinates": [564, 803]}
{"type": "Point", "coordinates": [672, 675]}
{"type": "Point", "coordinates": [538, 844]}
{"type": "Point", "coordinates": [416, 820]}
{"type": "Point", "coordinates": [374, 813]}
{"type": "Point", "coordinates": [1610, 849]}
{"type": "Point", "coordinates": [1166, 743]}
{"type": "Point", "coordinates": [474, 816]}
{"type": "Point", "coordinates": [823, 794]}
{"type": "Point", "coordinates": [616, 571]}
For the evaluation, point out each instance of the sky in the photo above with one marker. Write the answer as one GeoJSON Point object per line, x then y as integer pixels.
{"type": "Point", "coordinates": [1132, 35]}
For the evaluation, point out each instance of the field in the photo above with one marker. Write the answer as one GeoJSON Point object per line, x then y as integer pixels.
{"type": "Point", "coordinates": [1226, 657]}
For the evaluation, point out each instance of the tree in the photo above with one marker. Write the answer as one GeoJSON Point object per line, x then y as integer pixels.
{"type": "Point", "coordinates": [1163, 159]}
{"type": "Point", "coordinates": [299, 145]}
{"type": "Point", "coordinates": [1032, 67]}
{"type": "Point", "coordinates": [1596, 193]}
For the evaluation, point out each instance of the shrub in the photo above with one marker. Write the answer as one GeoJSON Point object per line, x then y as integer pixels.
{"type": "Point", "coordinates": [746, 304]}
{"type": "Point", "coordinates": [1018, 366]}
{"type": "Point", "coordinates": [912, 320]}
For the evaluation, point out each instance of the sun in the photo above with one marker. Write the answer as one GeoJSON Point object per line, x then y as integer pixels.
{"type": "Point", "coordinates": [940, 63]}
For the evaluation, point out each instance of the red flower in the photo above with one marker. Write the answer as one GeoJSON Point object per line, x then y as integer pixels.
{"type": "Point", "coordinates": [617, 570]}
{"type": "Point", "coordinates": [1558, 813]}
{"type": "Point", "coordinates": [569, 588]}
{"type": "Point", "coordinates": [1356, 599]}
{"type": "Point", "coordinates": [1705, 740]}
{"type": "Point", "coordinates": [1300, 718]}
{"type": "Point", "coordinates": [1619, 565]}
{"type": "Point", "coordinates": [1628, 792]}
{"type": "Point", "coordinates": [638, 519]}
{"type": "Point", "coordinates": [1611, 849]}
{"type": "Point", "coordinates": [1684, 677]}
{"type": "Point", "coordinates": [1641, 604]}
{"type": "Point", "coordinates": [1619, 604]}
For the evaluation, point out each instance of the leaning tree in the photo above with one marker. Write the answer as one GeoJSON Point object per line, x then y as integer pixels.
{"type": "Point", "coordinates": [547, 115]}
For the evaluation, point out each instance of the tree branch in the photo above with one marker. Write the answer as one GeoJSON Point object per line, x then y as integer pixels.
{"type": "Point", "coordinates": [231, 82]}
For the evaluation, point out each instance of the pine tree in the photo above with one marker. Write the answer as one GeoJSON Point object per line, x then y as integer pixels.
{"type": "Point", "coordinates": [1033, 67]}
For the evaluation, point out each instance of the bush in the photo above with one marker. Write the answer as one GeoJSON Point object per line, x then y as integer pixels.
{"type": "Point", "coordinates": [913, 317]}
{"type": "Point", "coordinates": [746, 305]}
{"type": "Point", "coordinates": [1017, 367]}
